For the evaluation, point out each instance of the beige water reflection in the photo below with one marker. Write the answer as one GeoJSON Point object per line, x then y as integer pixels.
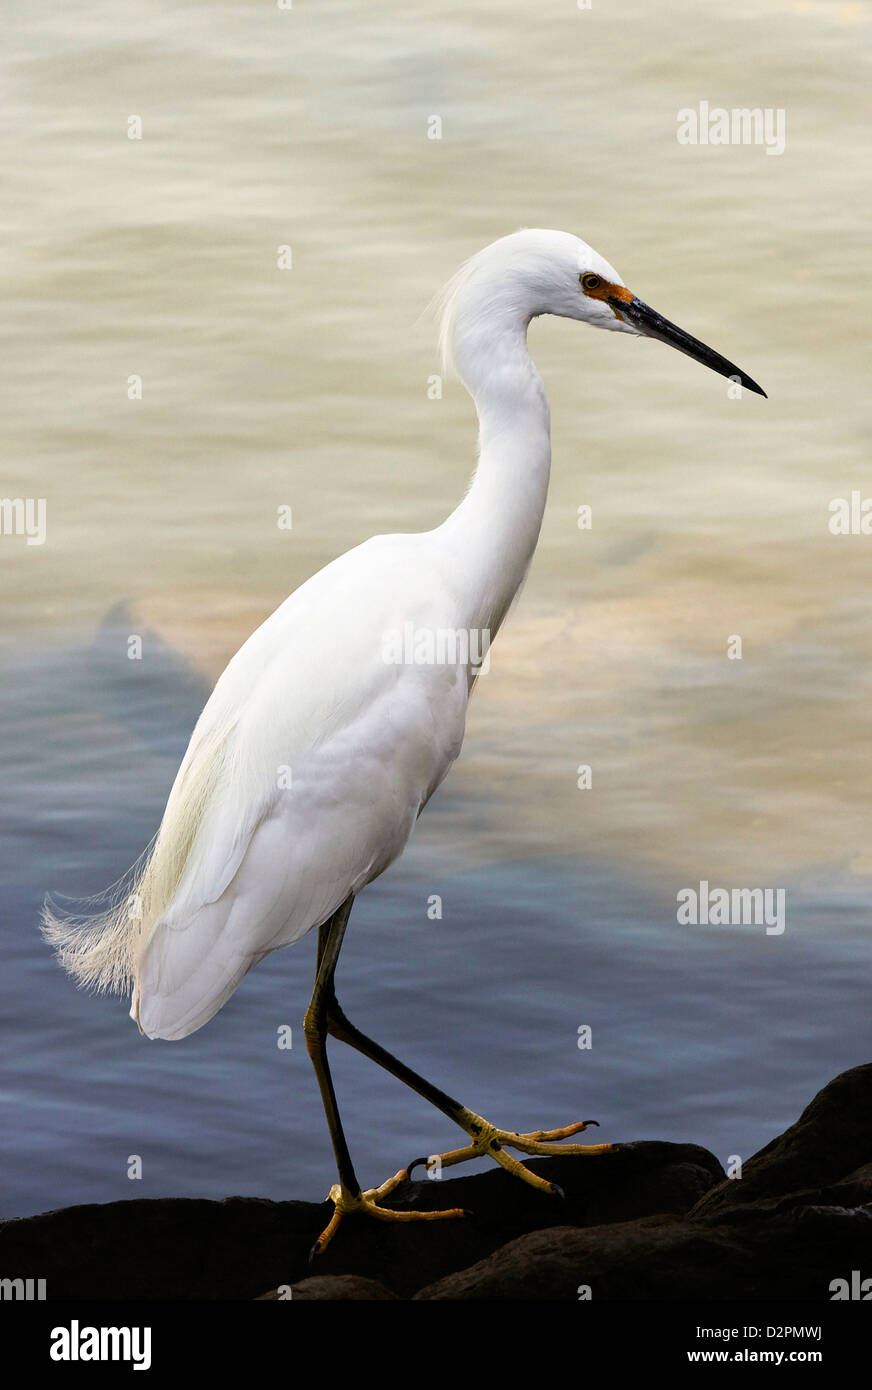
{"type": "Point", "coordinates": [261, 387]}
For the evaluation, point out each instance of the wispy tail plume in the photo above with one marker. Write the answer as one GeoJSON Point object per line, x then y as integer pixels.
{"type": "Point", "coordinates": [99, 947]}
{"type": "Point", "coordinates": [102, 949]}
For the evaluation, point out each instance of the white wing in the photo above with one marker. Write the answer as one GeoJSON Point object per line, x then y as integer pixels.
{"type": "Point", "coordinates": [364, 743]}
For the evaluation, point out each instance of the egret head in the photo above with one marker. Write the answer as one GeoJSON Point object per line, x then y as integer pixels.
{"type": "Point", "coordinates": [536, 272]}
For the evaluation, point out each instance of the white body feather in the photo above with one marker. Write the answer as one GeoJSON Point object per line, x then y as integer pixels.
{"type": "Point", "coordinates": [366, 744]}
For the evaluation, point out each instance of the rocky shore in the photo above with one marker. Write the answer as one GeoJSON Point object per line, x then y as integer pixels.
{"type": "Point", "coordinates": [652, 1221]}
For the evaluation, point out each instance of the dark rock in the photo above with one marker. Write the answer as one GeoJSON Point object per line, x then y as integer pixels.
{"type": "Point", "coordinates": [649, 1221]}
{"type": "Point", "coordinates": [831, 1138]}
{"type": "Point", "coordinates": [176, 1248]}
{"type": "Point", "coordinates": [799, 1217]}
{"type": "Point", "coordinates": [791, 1256]}
{"type": "Point", "coordinates": [167, 1248]}
{"type": "Point", "coordinates": [656, 1257]}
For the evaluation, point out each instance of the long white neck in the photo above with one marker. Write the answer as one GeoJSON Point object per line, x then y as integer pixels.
{"type": "Point", "coordinates": [493, 533]}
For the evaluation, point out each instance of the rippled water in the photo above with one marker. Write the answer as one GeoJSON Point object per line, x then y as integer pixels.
{"type": "Point", "coordinates": [308, 387]}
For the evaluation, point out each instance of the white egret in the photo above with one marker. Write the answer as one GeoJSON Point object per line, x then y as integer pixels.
{"type": "Point", "coordinates": [243, 863]}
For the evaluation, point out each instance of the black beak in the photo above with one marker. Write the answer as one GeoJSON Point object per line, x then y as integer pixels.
{"type": "Point", "coordinates": [652, 325]}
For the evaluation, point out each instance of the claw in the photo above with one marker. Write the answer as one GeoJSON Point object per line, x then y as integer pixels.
{"type": "Point", "coordinates": [490, 1142]}
{"type": "Point", "coordinates": [346, 1203]}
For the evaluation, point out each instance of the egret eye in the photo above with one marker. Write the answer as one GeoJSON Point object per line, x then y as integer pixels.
{"type": "Point", "coordinates": [590, 282]}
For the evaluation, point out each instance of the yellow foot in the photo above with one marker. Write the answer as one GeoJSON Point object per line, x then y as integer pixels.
{"type": "Point", "coordinates": [347, 1203]}
{"type": "Point", "coordinates": [490, 1142]}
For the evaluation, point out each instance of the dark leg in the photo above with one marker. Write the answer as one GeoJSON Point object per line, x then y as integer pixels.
{"type": "Point", "coordinates": [346, 1194]}
{"type": "Point", "coordinates": [315, 1027]}
{"type": "Point", "coordinates": [487, 1140]}
{"type": "Point", "coordinates": [333, 1020]}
